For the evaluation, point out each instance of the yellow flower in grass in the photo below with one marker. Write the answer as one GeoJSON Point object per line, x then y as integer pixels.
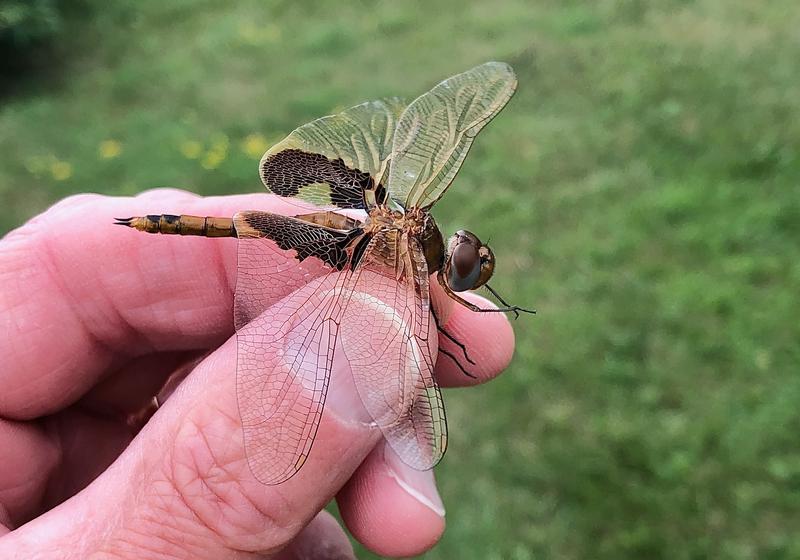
{"type": "Point", "coordinates": [217, 153]}
{"type": "Point", "coordinates": [212, 160]}
{"type": "Point", "coordinates": [60, 170]}
{"type": "Point", "coordinates": [254, 145]}
{"type": "Point", "coordinates": [220, 142]}
{"type": "Point", "coordinates": [109, 149]}
{"type": "Point", "coordinates": [191, 149]}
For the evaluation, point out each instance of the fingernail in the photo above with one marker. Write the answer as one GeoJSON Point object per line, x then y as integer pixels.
{"type": "Point", "coordinates": [420, 485]}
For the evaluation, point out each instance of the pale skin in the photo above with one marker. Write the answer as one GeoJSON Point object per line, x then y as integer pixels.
{"type": "Point", "coordinates": [94, 320]}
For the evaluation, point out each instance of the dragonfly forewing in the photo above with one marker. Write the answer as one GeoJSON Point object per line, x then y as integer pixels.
{"type": "Point", "coordinates": [287, 306]}
{"type": "Point", "coordinates": [437, 129]}
{"type": "Point", "coordinates": [386, 337]}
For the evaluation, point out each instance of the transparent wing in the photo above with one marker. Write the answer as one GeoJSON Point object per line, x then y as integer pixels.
{"type": "Point", "coordinates": [286, 313]}
{"type": "Point", "coordinates": [304, 238]}
{"type": "Point", "coordinates": [435, 132]}
{"type": "Point", "coordinates": [386, 339]}
{"type": "Point", "coordinates": [332, 161]}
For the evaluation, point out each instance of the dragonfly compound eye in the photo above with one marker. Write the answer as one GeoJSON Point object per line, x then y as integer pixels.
{"type": "Point", "coordinates": [466, 266]}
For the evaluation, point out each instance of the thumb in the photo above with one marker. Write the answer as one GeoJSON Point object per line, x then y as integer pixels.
{"type": "Point", "coordinates": [184, 489]}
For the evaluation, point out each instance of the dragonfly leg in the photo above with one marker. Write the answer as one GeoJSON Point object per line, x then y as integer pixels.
{"type": "Point", "coordinates": [171, 224]}
{"type": "Point", "coordinates": [452, 357]}
{"type": "Point", "coordinates": [454, 340]}
{"type": "Point", "coordinates": [515, 309]}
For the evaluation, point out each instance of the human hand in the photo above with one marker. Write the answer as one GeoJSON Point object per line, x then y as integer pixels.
{"type": "Point", "coordinates": [95, 320]}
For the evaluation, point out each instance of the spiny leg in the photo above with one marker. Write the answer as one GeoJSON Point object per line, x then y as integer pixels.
{"type": "Point", "coordinates": [450, 337]}
{"type": "Point", "coordinates": [452, 357]}
{"type": "Point", "coordinates": [171, 224]}
{"type": "Point", "coordinates": [515, 309]}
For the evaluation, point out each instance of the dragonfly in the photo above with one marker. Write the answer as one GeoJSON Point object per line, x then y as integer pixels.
{"type": "Point", "coordinates": [369, 250]}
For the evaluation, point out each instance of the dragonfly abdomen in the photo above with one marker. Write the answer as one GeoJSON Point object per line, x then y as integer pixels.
{"type": "Point", "coordinates": [170, 224]}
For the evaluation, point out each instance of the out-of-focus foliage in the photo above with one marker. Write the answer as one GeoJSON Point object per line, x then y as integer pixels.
{"type": "Point", "coordinates": [25, 25]}
{"type": "Point", "coordinates": [642, 191]}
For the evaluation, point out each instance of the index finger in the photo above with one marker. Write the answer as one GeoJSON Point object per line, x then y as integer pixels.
{"type": "Point", "coordinates": [79, 296]}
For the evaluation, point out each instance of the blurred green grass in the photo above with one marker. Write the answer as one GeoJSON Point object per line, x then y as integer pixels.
{"type": "Point", "coordinates": [641, 191]}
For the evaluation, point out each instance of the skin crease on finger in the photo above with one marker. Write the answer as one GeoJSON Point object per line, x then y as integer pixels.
{"type": "Point", "coordinates": [205, 471]}
{"type": "Point", "coordinates": [28, 457]}
{"type": "Point", "coordinates": [478, 331]}
{"type": "Point", "coordinates": [142, 299]}
{"type": "Point", "coordinates": [136, 312]}
{"type": "Point", "coordinates": [195, 496]}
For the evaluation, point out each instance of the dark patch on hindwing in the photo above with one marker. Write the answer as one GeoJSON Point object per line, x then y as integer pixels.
{"type": "Point", "coordinates": [288, 171]}
{"type": "Point", "coordinates": [306, 239]}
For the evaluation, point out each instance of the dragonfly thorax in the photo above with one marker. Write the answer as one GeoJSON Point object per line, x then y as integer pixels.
{"type": "Point", "coordinates": [415, 223]}
{"type": "Point", "coordinates": [382, 217]}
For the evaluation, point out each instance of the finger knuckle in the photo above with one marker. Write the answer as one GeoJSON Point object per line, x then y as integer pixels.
{"type": "Point", "coordinates": [33, 231]}
{"type": "Point", "coordinates": [160, 193]}
{"type": "Point", "coordinates": [73, 201]}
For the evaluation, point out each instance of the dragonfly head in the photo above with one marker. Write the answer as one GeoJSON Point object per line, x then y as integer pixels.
{"type": "Point", "coordinates": [468, 263]}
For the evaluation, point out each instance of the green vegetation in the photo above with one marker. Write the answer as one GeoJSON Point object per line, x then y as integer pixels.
{"type": "Point", "coordinates": [25, 23]}
{"type": "Point", "coordinates": [641, 191]}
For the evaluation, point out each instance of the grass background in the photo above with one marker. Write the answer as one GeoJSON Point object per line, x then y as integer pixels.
{"type": "Point", "coordinates": [641, 191]}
